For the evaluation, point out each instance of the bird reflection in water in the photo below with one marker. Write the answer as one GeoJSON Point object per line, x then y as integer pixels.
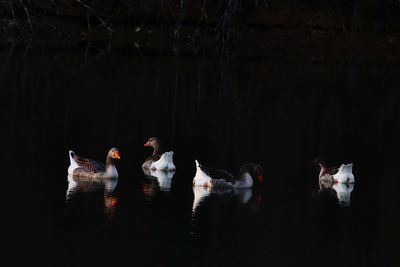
{"type": "Point", "coordinates": [242, 195]}
{"type": "Point", "coordinates": [82, 185]}
{"type": "Point", "coordinates": [335, 180]}
{"type": "Point", "coordinates": [342, 192]}
{"type": "Point", "coordinates": [224, 201]}
{"type": "Point", "coordinates": [156, 181]}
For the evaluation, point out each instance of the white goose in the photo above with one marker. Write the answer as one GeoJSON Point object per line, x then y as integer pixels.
{"type": "Point", "coordinates": [158, 160]}
{"type": "Point", "coordinates": [165, 163]}
{"type": "Point", "coordinates": [329, 175]}
{"type": "Point", "coordinates": [90, 168]}
{"type": "Point", "coordinates": [211, 177]}
{"type": "Point", "coordinates": [345, 174]}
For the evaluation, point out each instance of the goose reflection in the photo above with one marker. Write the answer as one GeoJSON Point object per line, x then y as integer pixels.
{"type": "Point", "coordinates": [243, 195]}
{"type": "Point", "coordinates": [157, 180]}
{"type": "Point", "coordinates": [84, 185]}
{"type": "Point", "coordinates": [335, 180]}
{"type": "Point", "coordinates": [342, 192]}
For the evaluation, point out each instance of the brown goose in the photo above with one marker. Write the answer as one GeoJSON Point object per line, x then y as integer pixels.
{"type": "Point", "coordinates": [329, 175]}
{"type": "Point", "coordinates": [155, 143]}
{"type": "Point", "coordinates": [326, 173]}
{"type": "Point", "coordinates": [84, 167]}
{"type": "Point", "coordinates": [211, 177]}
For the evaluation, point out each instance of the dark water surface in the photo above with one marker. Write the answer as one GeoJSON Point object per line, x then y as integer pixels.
{"type": "Point", "coordinates": [223, 112]}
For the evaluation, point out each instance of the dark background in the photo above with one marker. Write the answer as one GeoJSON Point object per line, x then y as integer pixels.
{"type": "Point", "coordinates": [223, 112]}
{"type": "Point", "coordinates": [277, 84]}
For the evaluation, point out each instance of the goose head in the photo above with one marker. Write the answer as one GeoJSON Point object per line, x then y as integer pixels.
{"type": "Point", "coordinates": [155, 143]}
{"type": "Point", "coordinates": [255, 170]}
{"type": "Point", "coordinates": [320, 162]}
{"type": "Point", "coordinates": [113, 153]}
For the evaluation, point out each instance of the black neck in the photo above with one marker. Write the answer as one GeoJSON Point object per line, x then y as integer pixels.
{"type": "Point", "coordinates": [249, 168]}
{"type": "Point", "coordinates": [157, 149]}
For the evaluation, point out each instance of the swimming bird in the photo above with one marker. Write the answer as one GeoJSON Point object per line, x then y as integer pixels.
{"type": "Point", "coordinates": [85, 167]}
{"type": "Point", "coordinates": [158, 161]}
{"type": "Point", "coordinates": [329, 175]}
{"type": "Point", "coordinates": [211, 177]}
{"type": "Point", "coordinates": [155, 143]}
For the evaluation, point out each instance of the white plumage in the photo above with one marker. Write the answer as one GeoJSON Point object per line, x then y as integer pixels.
{"type": "Point", "coordinates": [165, 163]}
{"type": "Point", "coordinates": [345, 174]}
{"type": "Point", "coordinates": [201, 179]}
{"type": "Point", "coordinates": [73, 164]}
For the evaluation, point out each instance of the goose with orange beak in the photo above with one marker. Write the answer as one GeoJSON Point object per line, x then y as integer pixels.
{"type": "Point", "coordinates": [159, 160]}
{"type": "Point", "coordinates": [84, 167]}
{"type": "Point", "coordinates": [155, 143]}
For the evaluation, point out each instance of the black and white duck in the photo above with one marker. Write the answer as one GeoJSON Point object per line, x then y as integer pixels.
{"type": "Point", "coordinates": [211, 177]}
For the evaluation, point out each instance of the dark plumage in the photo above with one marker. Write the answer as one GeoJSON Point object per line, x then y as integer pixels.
{"type": "Point", "coordinates": [212, 177]}
{"type": "Point", "coordinates": [326, 172]}
{"type": "Point", "coordinates": [155, 143]}
{"type": "Point", "coordinates": [84, 167]}
{"type": "Point", "coordinates": [217, 174]}
{"type": "Point", "coordinates": [88, 165]}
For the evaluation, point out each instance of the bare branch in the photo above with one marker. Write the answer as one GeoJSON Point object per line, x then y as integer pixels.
{"type": "Point", "coordinates": [27, 14]}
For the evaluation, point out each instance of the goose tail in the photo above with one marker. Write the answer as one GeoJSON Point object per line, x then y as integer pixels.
{"type": "Point", "coordinates": [197, 171]}
{"type": "Point", "coordinates": [73, 164]}
{"type": "Point", "coordinates": [71, 156]}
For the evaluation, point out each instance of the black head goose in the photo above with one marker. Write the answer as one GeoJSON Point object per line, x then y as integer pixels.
{"type": "Point", "coordinates": [84, 167]}
{"type": "Point", "coordinates": [211, 177]}
{"type": "Point", "coordinates": [159, 160]}
{"type": "Point", "coordinates": [329, 175]}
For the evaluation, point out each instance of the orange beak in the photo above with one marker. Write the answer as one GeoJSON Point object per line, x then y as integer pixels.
{"type": "Point", "coordinates": [147, 144]}
{"type": "Point", "coordinates": [114, 201]}
{"type": "Point", "coordinates": [116, 155]}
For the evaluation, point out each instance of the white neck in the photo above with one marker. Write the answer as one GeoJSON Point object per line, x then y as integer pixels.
{"type": "Point", "coordinates": [321, 171]}
{"type": "Point", "coordinates": [111, 171]}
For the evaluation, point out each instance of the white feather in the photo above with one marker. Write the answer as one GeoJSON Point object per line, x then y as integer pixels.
{"type": "Point", "coordinates": [165, 163]}
{"type": "Point", "coordinates": [343, 192]}
{"type": "Point", "coordinates": [73, 165]}
{"type": "Point", "coordinates": [345, 174]}
{"type": "Point", "coordinates": [201, 179]}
